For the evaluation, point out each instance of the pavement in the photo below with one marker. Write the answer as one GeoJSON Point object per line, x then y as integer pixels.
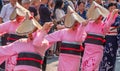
{"type": "Point", "coordinates": [52, 64]}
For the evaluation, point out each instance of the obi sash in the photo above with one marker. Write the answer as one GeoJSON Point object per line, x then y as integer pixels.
{"type": "Point", "coordinates": [13, 37]}
{"type": "Point", "coordinates": [30, 59]}
{"type": "Point", "coordinates": [95, 39]}
{"type": "Point", "coordinates": [71, 48]}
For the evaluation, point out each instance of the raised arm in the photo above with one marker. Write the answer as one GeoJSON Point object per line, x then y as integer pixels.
{"type": "Point", "coordinates": [81, 34]}
{"type": "Point", "coordinates": [43, 41]}
{"type": "Point", "coordinates": [4, 27]}
{"type": "Point", "coordinates": [110, 20]}
{"type": "Point", "coordinates": [40, 34]}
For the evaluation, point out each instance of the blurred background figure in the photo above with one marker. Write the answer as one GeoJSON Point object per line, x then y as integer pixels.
{"type": "Point", "coordinates": [118, 4]}
{"type": "Point", "coordinates": [45, 13]}
{"type": "Point", "coordinates": [59, 12]}
{"type": "Point", "coordinates": [81, 9]}
{"type": "Point", "coordinates": [51, 6]}
{"type": "Point", "coordinates": [1, 4]}
{"type": "Point", "coordinates": [27, 4]}
{"type": "Point", "coordinates": [88, 4]}
{"type": "Point", "coordinates": [5, 2]}
{"type": "Point", "coordinates": [7, 10]}
{"type": "Point", "coordinates": [36, 5]}
{"type": "Point", "coordinates": [108, 2]}
{"type": "Point", "coordinates": [71, 3]}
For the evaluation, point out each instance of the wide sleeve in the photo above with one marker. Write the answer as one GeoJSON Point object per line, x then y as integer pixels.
{"type": "Point", "coordinates": [108, 22]}
{"type": "Point", "coordinates": [81, 34]}
{"type": "Point", "coordinates": [43, 41]}
{"type": "Point", "coordinates": [39, 37]}
{"type": "Point", "coordinates": [4, 28]}
{"type": "Point", "coordinates": [51, 38]}
{"type": "Point", "coordinates": [6, 52]}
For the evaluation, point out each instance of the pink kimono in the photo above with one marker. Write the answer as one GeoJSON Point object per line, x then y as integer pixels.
{"type": "Point", "coordinates": [69, 58]}
{"type": "Point", "coordinates": [21, 55]}
{"type": "Point", "coordinates": [94, 49]}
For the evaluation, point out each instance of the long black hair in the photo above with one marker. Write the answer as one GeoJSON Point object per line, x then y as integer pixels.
{"type": "Point", "coordinates": [112, 4]}
{"type": "Point", "coordinates": [58, 5]}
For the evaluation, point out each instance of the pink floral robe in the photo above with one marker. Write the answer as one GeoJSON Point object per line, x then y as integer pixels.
{"type": "Point", "coordinates": [93, 53]}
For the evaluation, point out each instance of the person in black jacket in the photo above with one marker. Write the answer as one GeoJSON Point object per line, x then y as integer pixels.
{"type": "Point", "coordinates": [0, 4]}
{"type": "Point", "coordinates": [45, 14]}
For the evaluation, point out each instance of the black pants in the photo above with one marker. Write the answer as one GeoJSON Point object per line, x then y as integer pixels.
{"type": "Point", "coordinates": [2, 69]}
{"type": "Point", "coordinates": [3, 42]}
{"type": "Point", "coordinates": [44, 62]}
{"type": "Point", "coordinates": [4, 39]}
{"type": "Point", "coordinates": [109, 56]}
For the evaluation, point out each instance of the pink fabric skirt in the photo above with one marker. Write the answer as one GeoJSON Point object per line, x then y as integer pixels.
{"type": "Point", "coordinates": [69, 62]}
{"type": "Point", "coordinates": [92, 57]}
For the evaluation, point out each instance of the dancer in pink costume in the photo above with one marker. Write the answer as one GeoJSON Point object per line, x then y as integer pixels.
{"type": "Point", "coordinates": [10, 27]}
{"type": "Point", "coordinates": [22, 55]}
{"type": "Point", "coordinates": [71, 37]}
{"type": "Point", "coordinates": [18, 52]}
{"type": "Point", "coordinates": [96, 30]}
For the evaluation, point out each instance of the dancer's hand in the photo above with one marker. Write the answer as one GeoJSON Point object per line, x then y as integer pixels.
{"type": "Point", "coordinates": [47, 26]}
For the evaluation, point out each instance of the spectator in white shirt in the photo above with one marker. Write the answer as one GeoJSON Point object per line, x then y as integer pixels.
{"type": "Point", "coordinates": [58, 11]}
{"type": "Point", "coordinates": [7, 10]}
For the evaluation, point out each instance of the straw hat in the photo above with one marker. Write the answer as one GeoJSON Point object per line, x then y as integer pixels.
{"type": "Point", "coordinates": [28, 26]}
{"type": "Point", "coordinates": [18, 10]}
{"type": "Point", "coordinates": [70, 19]}
{"type": "Point", "coordinates": [96, 10]}
{"type": "Point", "coordinates": [70, 9]}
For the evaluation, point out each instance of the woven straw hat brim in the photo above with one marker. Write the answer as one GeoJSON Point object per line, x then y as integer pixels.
{"type": "Point", "coordinates": [27, 27]}
{"type": "Point", "coordinates": [94, 12]}
{"type": "Point", "coordinates": [70, 19]}
{"type": "Point", "coordinates": [24, 29]}
{"type": "Point", "coordinates": [69, 9]}
{"type": "Point", "coordinates": [21, 10]}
